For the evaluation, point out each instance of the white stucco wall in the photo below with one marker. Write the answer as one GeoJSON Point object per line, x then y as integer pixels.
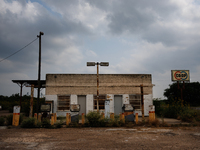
{"type": "Point", "coordinates": [147, 101]}
{"type": "Point", "coordinates": [74, 99]}
{"type": "Point", "coordinates": [125, 99]}
{"type": "Point", "coordinates": [111, 98]}
{"type": "Point", "coordinates": [89, 103]}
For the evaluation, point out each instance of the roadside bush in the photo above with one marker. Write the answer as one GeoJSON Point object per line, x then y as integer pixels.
{"type": "Point", "coordinates": [94, 119]}
{"type": "Point", "coordinates": [46, 123]}
{"type": "Point", "coordinates": [29, 123]}
{"type": "Point", "coordinates": [59, 124]}
{"type": "Point", "coordinates": [9, 119]}
{"type": "Point", "coordinates": [179, 109]}
{"type": "Point", "coordinates": [2, 121]}
{"type": "Point", "coordinates": [190, 115]}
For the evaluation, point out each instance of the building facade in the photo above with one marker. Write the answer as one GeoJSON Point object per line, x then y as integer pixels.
{"type": "Point", "coordinates": [65, 89]}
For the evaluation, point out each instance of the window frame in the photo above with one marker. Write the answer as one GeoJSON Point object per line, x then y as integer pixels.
{"type": "Point", "coordinates": [100, 99]}
{"type": "Point", "coordinates": [136, 99]}
{"type": "Point", "coordinates": [68, 101]}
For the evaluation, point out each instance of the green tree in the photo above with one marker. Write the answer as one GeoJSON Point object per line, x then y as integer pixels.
{"type": "Point", "coordinates": [8, 103]}
{"type": "Point", "coordinates": [191, 93]}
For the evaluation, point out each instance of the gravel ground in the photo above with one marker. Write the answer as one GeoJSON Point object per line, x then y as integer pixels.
{"type": "Point", "coordinates": [184, 138]}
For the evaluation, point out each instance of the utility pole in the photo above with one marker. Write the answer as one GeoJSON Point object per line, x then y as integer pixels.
{"type": "Point", "coordinates": [97, 86]}
{"type": "Point", "coordinates": [39, 71]}
{"type": "Point", "coordinates": [101, 64]}
{"type": "Point", "coordinates": [142, 100]}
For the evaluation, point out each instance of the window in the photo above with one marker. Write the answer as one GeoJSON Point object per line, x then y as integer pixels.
{"type": "Point", "coordinates": [135, 100]}
{"type": "Point", "coordinates": [102, 99]}
{"type": "Point", "coordinates": [63, 102]}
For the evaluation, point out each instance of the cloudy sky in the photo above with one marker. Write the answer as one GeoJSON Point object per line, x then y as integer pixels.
{"type": "Point", "coordinates": [135, 37]}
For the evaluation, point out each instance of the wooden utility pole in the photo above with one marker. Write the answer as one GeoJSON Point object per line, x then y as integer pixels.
{"type": "Point", "coordinates": [39, 71]}
{"type": "Point", "coordinates": [142, 100]}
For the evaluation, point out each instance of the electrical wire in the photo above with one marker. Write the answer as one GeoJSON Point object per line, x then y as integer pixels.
{"type": "Point", "coordinates": [19, 50]}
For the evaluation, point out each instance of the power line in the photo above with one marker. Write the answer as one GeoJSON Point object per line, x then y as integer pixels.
{"type": "Point", "coordinates": [19, 50]}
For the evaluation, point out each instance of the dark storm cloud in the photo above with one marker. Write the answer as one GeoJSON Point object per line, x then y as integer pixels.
{"type": "Point", "coordinates": [17, 30]}
{"type": "Point", "coordinates": [146, 19]}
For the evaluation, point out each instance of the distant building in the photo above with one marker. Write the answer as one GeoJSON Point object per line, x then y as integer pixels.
{"type": "Point", "coordinates": [65, 89]}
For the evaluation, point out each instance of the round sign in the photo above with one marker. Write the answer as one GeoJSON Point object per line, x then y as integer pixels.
{"type": "Point", "coordinates": [180, 75]}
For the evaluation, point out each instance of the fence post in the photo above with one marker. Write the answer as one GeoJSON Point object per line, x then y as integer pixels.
{"type": "Point", "coordinates": [55, 117]}
{"type": "Point", "coordinates": [136, 118]}
{"type": "Point", "coordinates": [102, 115]}
{"type": "Point", "coordinates": [39, 117]}
{"type": "Point", "coordinates": [35, 116]}
{"type": "Point", "coordinates": [123, 119]}
{"type": "Point", "coordinates": [52, 119]}
{"type": "Point", "coordinates": [83, 118]}
{"type": "Point", "coordinates": [67, 119]}
{"type": "Point", "coordinates": [112, 116]}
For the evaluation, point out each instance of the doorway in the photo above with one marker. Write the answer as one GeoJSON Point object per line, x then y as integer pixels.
{"type": "Point", "coordinates": [82, 103]}
{"type": "Point", "coordinates": [117, 104]}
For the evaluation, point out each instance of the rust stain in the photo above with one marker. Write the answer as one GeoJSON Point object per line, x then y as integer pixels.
{"type": "Point", "coordinates": [108, 96]}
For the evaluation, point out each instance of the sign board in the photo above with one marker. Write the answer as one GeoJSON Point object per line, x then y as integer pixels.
{"type": "Point", "coordinates": [128, 108]}
{"type": "Point", "coordinates": [180, 75]}
{"type": "Point", "coordinates": [45, 108]}
{"type": "Point", "coordinates": [74, 107]}
{"type": "Point", "coordinates": [151, 108]}
{"type": "Point", "coordinates": [16, 109]}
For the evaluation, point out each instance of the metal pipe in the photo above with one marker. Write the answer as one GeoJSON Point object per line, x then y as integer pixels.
{"type": "Point", "coordinates": [97, 87]}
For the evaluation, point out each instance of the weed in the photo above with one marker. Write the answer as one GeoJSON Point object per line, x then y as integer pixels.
{"type": "Point", "coordinates": [46, 123]}
{"type": "Point", "coordinates": [9, 119]}
{"type": "Point", "coordinates": [2, 121]}
{"type": "Point", "coordinates": [28, 123]}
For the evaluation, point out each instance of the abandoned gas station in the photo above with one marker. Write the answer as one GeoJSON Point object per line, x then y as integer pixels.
{"type": "Point", "coordinates": [62, 90]}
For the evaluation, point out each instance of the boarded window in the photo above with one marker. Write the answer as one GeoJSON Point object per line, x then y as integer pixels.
{"type": "Point", "coordinates": [63, 102]}
{"type": "Point", "coordinates": [135, 100]}
{"type": "Point", "coordinates": [102, 99]}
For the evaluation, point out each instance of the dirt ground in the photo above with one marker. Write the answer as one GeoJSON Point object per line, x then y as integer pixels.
{"type": "Point", "coordinates": [184, 138]}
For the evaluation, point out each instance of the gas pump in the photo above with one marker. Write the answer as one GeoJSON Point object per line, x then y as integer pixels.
{"type": "Point", "coordinates": [45, 111]}
{"type": "Point", "coordinates": [128, 112]}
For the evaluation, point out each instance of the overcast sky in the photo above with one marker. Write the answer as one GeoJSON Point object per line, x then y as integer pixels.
{"type": "Point", "coordinates": [135, 37]}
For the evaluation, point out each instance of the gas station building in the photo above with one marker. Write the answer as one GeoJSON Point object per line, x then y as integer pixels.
{"type": "Point", "coordinates": [119, 89]}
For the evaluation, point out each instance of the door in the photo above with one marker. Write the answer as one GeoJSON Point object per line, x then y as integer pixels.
{"type": "Point", "coordinates": [117, 104]}
{"type": "Point", "coordinates": [82, 103]}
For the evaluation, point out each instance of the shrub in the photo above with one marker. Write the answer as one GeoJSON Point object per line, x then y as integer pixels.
{"type": "Point", "coordinates": [59, 125]}
{"type": "Point", "coordinates": [9, 119]}
{"type": "Point", "coordinates": [2, 121]}
{"type": "Point", "coordinates": [94, 119]}
{"type": "Point", "coordinates": [46, 123]}
{"type": "Point", "coordinates": [29, 123]}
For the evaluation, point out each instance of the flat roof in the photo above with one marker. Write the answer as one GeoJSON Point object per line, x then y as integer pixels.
{"type": "Point", "coordinates": [30, 82]}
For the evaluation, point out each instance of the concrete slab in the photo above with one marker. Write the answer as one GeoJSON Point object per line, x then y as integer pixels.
{"type": "Point", "coordinates": [166, 120]}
